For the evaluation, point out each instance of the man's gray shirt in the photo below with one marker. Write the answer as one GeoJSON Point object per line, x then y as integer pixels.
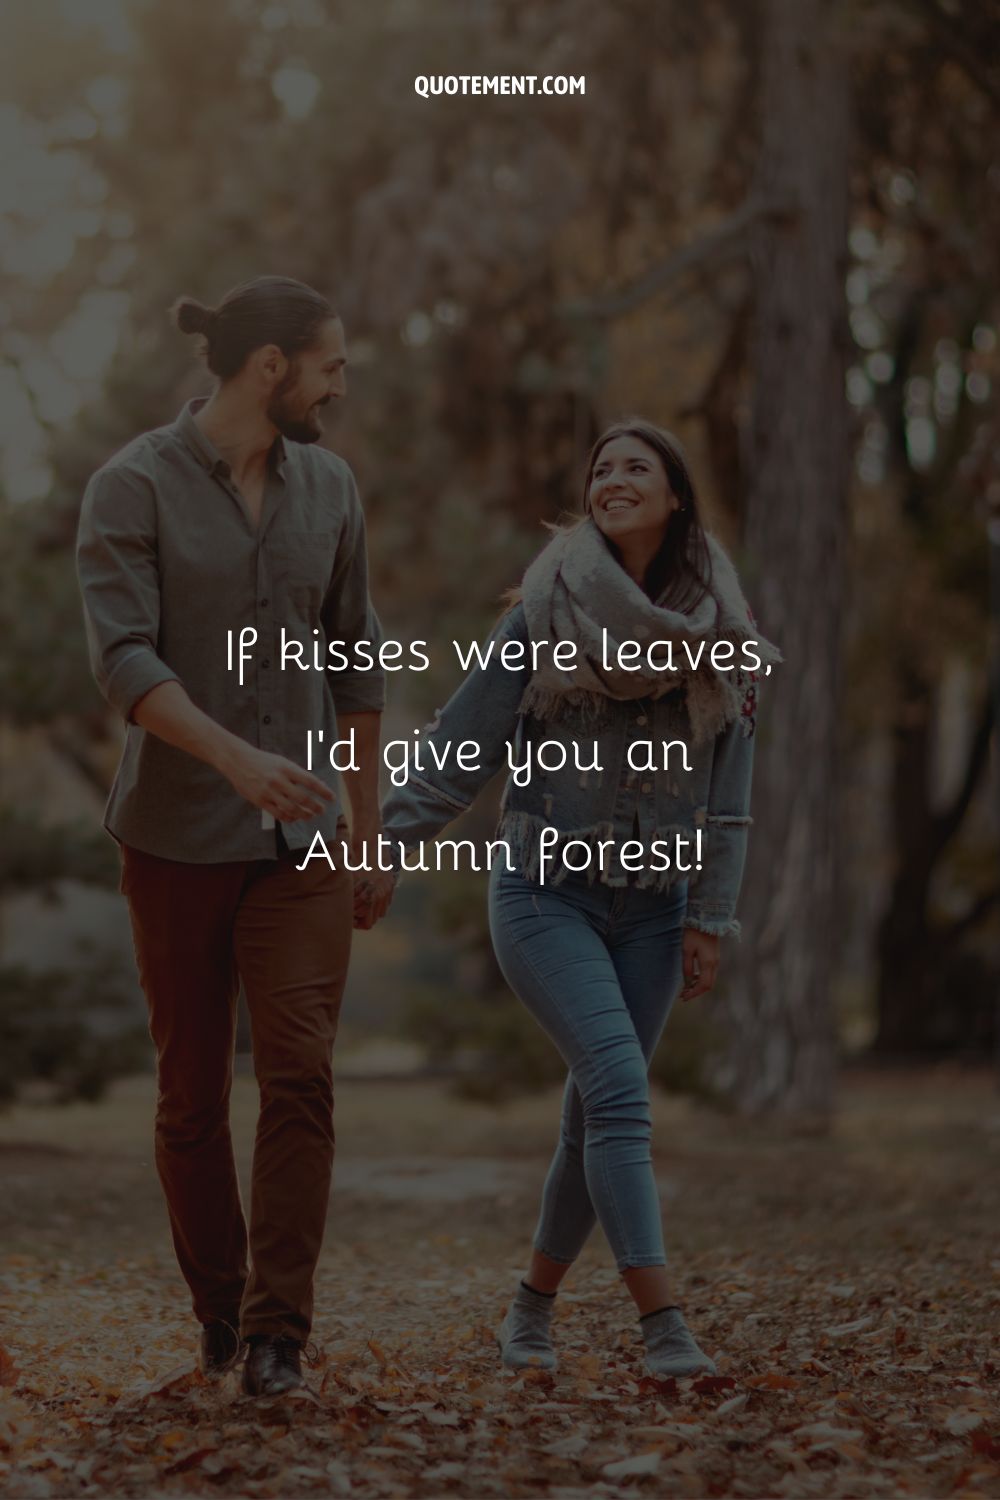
{"type": "Point", "coordinates": [169, 562]}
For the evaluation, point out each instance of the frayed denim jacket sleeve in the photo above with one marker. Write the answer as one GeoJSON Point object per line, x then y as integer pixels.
{"type": "Point", "coordinates": [712, 900]}
{"type": "Point", "coordinates": [486, 708]}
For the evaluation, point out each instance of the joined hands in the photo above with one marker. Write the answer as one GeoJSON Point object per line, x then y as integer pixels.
{"type": "Point", "coordinates": [373, 893]}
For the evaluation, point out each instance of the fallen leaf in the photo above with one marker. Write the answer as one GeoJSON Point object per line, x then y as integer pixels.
{"type": "Point", "coordinates": [772, 1382]}
{"type": "Point", "coordinates": [818, 1432]}
{"type": "Point", "coordinates": [961, 1422]}
{"type": "Point", "coordinates": [842, 1330]}
{"type": "Point", "coordinates": [179, 1378]}
{"type": "Point", "coordinates": [175, 1438]}
{"type": "Point", "coordinates": [710, 1385]}
{"type": "Point", "coordinates": [189, 1460]}
{"type": "Point", "coordinates": [567, 1447]}
{"type": "Point", "coordinates": [685, 1432]}
{"type": "Point", "coordinates": [643, 1463]}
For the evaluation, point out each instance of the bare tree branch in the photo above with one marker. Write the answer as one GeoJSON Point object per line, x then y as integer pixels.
{"type": "Point", "coordinates": [947, 823]}
{"type": "Point", "coordinates": [64, 743]}
{"type": "Point", "coordinates": [724, 242]}
{"type": "Point", "coordinates": [15, 364]}
{"type": "Point", "coordinates": [972, 918]}
{"type": "Point", "coordinates": [961, 51]}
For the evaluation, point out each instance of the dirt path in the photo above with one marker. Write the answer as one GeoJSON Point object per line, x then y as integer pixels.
{"type": "Point", "coordinates": [848, 1287]}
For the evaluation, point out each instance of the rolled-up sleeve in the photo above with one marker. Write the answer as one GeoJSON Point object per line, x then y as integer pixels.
{"type": "Point", "coordinates": [348, 615]}
{"type": "Point", "coordinates": [117, 569]}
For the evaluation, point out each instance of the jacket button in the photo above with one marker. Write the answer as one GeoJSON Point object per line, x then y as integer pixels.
{"type": "Point", "coordinates": [266, 719]}
{"type": "Point", "coordinates": [647, 786]}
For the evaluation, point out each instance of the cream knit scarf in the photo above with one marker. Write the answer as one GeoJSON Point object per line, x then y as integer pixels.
{"type": "Point", "coordinates": [576, 591]}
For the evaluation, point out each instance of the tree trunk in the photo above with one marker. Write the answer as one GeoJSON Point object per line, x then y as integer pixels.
{"type": "Point", "coordinates": [934, 991]}
{"type": "Point", "coordinates": [903, 935]}
{"type": "Point", "coordinates": [779, 993]}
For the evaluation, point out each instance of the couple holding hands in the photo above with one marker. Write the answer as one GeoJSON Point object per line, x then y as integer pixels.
{"type": "Point", "coordinates": [233, 514]}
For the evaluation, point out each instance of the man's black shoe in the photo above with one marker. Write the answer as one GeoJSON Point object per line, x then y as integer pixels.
{"type": "Point", "coordinates": [221, 1347]}
{"type": "Point", "coordinates": [272, 1365]}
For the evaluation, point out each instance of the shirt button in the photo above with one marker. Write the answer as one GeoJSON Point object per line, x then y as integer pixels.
{"type": "Point", "coordinates": [642, 719]}
{"type": "Point", "coordinates": [264, 603]}
{"type": "Point", "coordinates": [647, 786]}
{"type": "Point", "coordinates": [266, 662]}
{"type": "Point", "coordinates": [266, 719]}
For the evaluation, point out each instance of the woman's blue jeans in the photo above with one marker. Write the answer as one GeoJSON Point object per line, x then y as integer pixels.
{"type": "Point", "coordinates": [599, 967]}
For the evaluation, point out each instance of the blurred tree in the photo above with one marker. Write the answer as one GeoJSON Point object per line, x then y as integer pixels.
{"type": "Point", "coordinates": [71, 1030]}
{"type": "Point", "coordinates": [780, 996]}
{"type": "Point", "coordinates": [74, 1027]}
{"type": "Point", "coordinates": [925, 315]}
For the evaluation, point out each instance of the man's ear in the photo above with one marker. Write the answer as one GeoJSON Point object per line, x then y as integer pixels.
{"type": "Point", "coordinates": [269, 363]}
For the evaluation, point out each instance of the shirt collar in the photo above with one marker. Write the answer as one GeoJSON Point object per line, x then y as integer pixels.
{"type": "Point", "coordinates": [206, 452]}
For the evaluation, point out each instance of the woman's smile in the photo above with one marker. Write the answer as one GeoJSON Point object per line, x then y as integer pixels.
{"type": "Point", "coordinates": [629, 489]}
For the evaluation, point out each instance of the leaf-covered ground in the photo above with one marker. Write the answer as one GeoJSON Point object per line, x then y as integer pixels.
{"type": "Point", "coordinates": [847, 1287]}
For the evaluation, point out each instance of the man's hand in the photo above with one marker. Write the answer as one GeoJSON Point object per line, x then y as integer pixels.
{"type": "Point", "coordinates": [701, 962]}
{"type": "Point", "coordinates": [275, 784]}
{"type": "Point", "coordinates": [373, 893]}
{"type": "Point", "coordinates": [270, 782]}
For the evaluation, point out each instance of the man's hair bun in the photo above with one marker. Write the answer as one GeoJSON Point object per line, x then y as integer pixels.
{"type": "Point", "coordinates": [268, 310]}
{"type": "Point", "coordinates": [191, 316]}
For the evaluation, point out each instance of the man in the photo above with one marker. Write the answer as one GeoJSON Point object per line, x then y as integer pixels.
{"type": "Point", "coordinates": [232, 520]}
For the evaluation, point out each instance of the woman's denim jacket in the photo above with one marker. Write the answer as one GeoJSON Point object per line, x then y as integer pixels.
{"type": "Point", "coordinates": [588, 805]}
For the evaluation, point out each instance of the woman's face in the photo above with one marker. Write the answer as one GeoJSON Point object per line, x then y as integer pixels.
{"type": "Point", "coordinates": [629, 494]}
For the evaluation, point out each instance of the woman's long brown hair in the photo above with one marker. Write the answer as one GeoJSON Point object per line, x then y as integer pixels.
{"type": "Point", "coordinates": [680, 573]}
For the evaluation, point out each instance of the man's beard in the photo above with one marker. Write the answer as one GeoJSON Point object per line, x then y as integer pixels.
{"type": "Point", "coordinates": [291, 421]}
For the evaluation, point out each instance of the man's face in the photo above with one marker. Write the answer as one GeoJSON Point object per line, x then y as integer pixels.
{"type": "Point", "coordinates": [315, 377]}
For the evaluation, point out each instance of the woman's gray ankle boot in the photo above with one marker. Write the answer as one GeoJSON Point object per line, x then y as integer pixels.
{"type": "Point", "coordinates": [670, 1345]}
{"type": "Point", "coordinates": [524, 1337]}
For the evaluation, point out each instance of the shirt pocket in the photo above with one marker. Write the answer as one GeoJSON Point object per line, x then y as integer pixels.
{"type": "Point", "coordinates": [305, 560]}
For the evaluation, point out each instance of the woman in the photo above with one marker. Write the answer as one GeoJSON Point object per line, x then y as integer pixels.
{"type": "Point", "coordinates": [595, 925]}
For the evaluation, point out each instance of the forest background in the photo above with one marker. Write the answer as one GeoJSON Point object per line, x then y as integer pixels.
{"type": "Point", "coordinates": [773, 227]}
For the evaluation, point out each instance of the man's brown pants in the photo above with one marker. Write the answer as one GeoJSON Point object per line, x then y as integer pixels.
{"type": "Point", "coordinates": [199, 929]}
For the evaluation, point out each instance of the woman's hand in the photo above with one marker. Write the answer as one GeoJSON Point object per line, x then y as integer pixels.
{"type": "Point", "coordinates": [701, 962]}
{"type": "Point", "coordinates": [373, 893]}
